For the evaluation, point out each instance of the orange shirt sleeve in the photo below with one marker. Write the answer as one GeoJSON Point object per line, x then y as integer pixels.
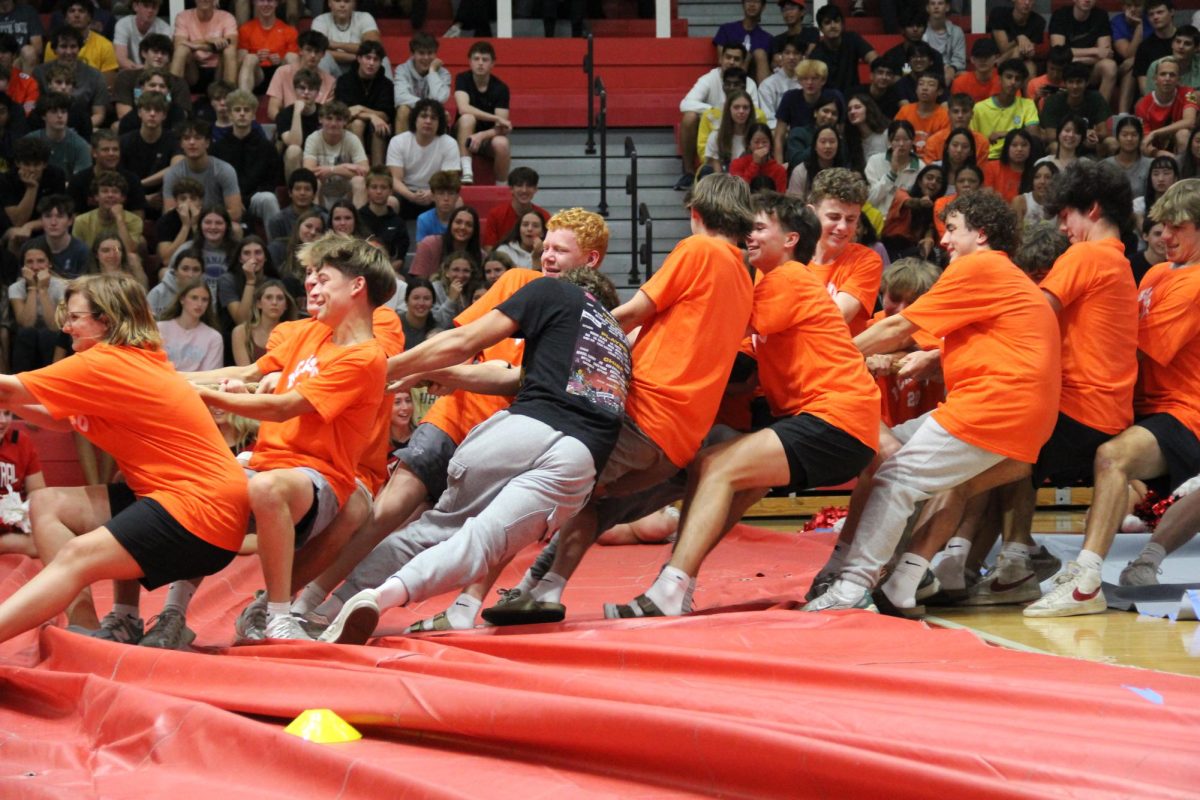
{"type": "Point", "coordinates": [1169, 319]}
{"type": "Point", "coordinates": [504, 287]}
{"type": "Point", "coordinates": [859, 276]}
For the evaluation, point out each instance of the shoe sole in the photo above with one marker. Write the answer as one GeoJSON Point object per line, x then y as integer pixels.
{"type": "Point", "coordinates": [549, 612]}
{"type": "Point", "coordinates": [1077, 610]}
{"type": "Point", "coordinates": [885, 606]}
{"type": "Point", "coordinates": [357, 626]}
{"type": "Point", "coordinates": [1004, 599]}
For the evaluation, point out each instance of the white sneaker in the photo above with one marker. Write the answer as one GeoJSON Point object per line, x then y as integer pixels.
{"type": "Point", "coordinates": [1139, 573]}
{"type": "Point", "coordinates": [251, 625]}
{"type": "Point", "coordinates": [1012, 581]}
{"type": "Point", "coordinates": [286, 627]}
{"type": "Point", "coordinates": [468, 174]}
{"type": "Point", "coordinates": [843, 595]}
{"type": "Point", "coordinates": [356, 621]}
{"type": "Point", "coordinates": [1068, 598]}
{"type": "Point", "coordinates": [453, 32]}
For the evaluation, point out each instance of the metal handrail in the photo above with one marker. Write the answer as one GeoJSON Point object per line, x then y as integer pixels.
{"type": "Point", "coordinates": [602, 124]}
{"type": "Point", "coordinates": [631, 189]}
{"type": "Point", "coordinates": [589, 68]}
{"type": "Point", "coordinates": [647, 249]}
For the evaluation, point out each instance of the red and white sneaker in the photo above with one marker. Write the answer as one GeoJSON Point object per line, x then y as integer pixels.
{"type": "Point", "coordinates": [1075, 593]}
{"type": "Point", "coordinates": [1012, 581]}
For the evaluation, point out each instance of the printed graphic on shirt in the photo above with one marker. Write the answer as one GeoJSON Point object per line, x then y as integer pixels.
{"type": "Point", "coordinates": [1144, 299]}
{"type": "Point", "coordinates": [601, 364]}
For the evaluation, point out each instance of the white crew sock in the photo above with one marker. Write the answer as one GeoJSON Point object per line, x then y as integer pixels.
{"type": "Point", "coordinates": [1089, 564]}
{"type": "Point", "coordinates": [467, 167]}
{"type": "Point", "coordinates": [901, 587]}
{"type": "Point", "coordinates": [462, 611]}
{"type": "Point", "coordinates": [671, 591]}
{"type": "Point", "coordinates": [393, 593]}
{"type": "Point", "coordinates": [310, 597]}
{"type": "Point", "coordinates": [179, 595]}
{"type": "Point", "coordinates": [549, 589]}
{"type": "Point", "coordinates": [1153, 553]}
{"type": "Point", "coordinates": [1016, 550]}
{"type": "Point", "coordinates": [278, 610]}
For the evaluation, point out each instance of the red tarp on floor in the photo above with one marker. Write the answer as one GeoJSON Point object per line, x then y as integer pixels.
{"type": "Point", "coordinates": [758, 701]}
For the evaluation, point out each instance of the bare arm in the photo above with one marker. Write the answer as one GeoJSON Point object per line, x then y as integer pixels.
{"type": "Point", "coordinates": [265, 407]}
{"type": "Point", "coordinates": [491, 377]}
{"type": "Point", "coordinates": [848, 305]}
{"type": "Point", "coordinates": [463, 101]}
{"type": "Point", "coordinates": [13, 393]}
{"type": "Point", "coordinates": [452, 347]}
{"type": "Point", "coordinates": [635, 312]}
{"type": "Point", "coordinates": [885, 336]}
{"type": "Point", "coordinates": [38, 415]}
{"type": "Point", "coordinates": [246, 374]}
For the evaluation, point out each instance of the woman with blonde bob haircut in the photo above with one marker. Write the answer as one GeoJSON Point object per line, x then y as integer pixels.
{"type": "Point", "coordinates": [120, 392]}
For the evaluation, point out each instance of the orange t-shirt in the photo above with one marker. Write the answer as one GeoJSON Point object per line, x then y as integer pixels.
{"type": "Point", "coordinates": [968, 83]}
{"type": "Point", "coordinates": [22, 87]}
{"type": "Point", "coordinates": [902, 400]}
{"type": "Point", "coordinates": [683, 355]}
{"type": "Point", "coordinates": [857, 272]}
{"type": "Point", "coordinates": [1005, 180]}
{"type": "Point", "coordinates": [1001, 354]}
{"type": "Point", "coordinates": [279, 39]}
{"type": "Point", "coordinates": [343, 384]}
{"type": "Point", "coordinates": [935, 146]}
{"type": "Point", "coordinates": [807, 363]}
{"type": "Point", "coordinates": [1169, 336]}
{"type": "Point", "coordinates": [939, 206]}
{"type": "Point", "coordinates": [924, 127]}
{"type": "Point", "coordinates": [372, 470]}
{"type": "Point", "coordinates": [456, 413]}
{"type": "Point", "coordinates": [1094, 284]}
{"type": "Point", "coordinates": [133, 404]}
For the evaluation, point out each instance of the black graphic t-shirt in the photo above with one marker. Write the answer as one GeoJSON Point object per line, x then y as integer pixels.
{"type": "Point", "coordinates": [577, 363]}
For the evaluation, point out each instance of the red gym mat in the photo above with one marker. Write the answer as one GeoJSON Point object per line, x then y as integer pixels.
{"type": "Point", "coordinates": [749, 700]}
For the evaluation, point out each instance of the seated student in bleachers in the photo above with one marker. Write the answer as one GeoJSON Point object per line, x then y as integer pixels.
{"type": "Point", "coordinates": [24, 24]}
{"type": "Point", "coordinates": [346, 28]}
{"type": "Point", "coordinates": [132, 30]}
{"type": "Point", "coordinates": [523, 244]}
{"type": "Point", "coordinates": [920, 61]}
{"type": "Point", "coordinates": [1183, 47]}
{"type": "Point", "coordinates": [95, 49]}
{"type": "Point", "coordinates": [188, 267]}
{"type": "Point", "coordinates": [1018, 32]}
{"type": "Point", "coordinates": [1012, 173]}
{"type": "Point", "coordinates": [213, 241]}
{"type": "Point", "coordinates": [380, 221]}
{"type": "Point", "coordinates": [155, 54]}
{"type": "Point", "coordinates": [968, 178]}
{"type": "Point", "coordinates": [295, 123]}
{"type": "Point", "coordinates": [882, 88]}
{"type": "Point", "coordinates": [417, 318]}
{"type": "Point", "coordinates": [1072, 142]}
{"type": "Point", "coordinates": [176, 227]}
{"type": "Point", "coordinates": [422, 76]}
{"type": "Point", "coordinates": [826, 152]}
{"type": "Point", "coordinates": [68, 150]}
{"type": "Point", "coordinates": [462, 235]}
{"type": "Point", "coordinates": [1169, 112]}
{"type": "Point", "coordinates": [1155, 251]}
{"type": "Point", "coordinates": [758, 162]}
{"type": "Point", "coordinates": [708, 92]}
{"type": "Point", "coordinates": [109, 256]}
{"type": "Point", "coordinates": [1088, 31]}
{"type": "Point", "coordinates": [56, 213]}
{"type": "Point", "coordinates": [446, 188]}
{"type": "Point", "coordinates": [216, 176]}
{"type": "Point", "coordinates": [150, 150]}
{"type": "Point", "coordinates": [302, 195]}
{"type": "Point", "coordinates": [281, 92]}
{"type": "Point", "coordinates": [865, 130]}
{"type": "Point", "coordinates": [912, 33]}
{"type": "Point", "coordinates": [1157, 36]}
{"type": "Point", "coordinates": [189, 329]}
{"type": "Point", "coordinates": [483, 126]}
{"type": "Point", "coordinates": [848, 270]}
{"type": "Point", "coordinates": [797, 108]}
{"type": "Point", "coordinates": [265, 43]}
{"type": "Point", "coordinates": [792, 12]}
{"type": "Point", "coordinates": [110, 216]}
{"type": "Point", "coordinates": [496, 264]}
{"type": "Point", "coordinates": [154, 79]}
{"type": "Point", "coordinates": [453, 285]}
{"type": "Point", "coordinates": [500, 220]}
{"type": "Point", "coordinates": [414, 155]}
{"type": "Point", "coordinates": [106, 157]}
{"type": "Point", "coordinates": [927, 116]}
{"type": "Point", "coordinates": [34, 298]}
{"type": "Point", "coordinates": [1040, 88]}
{"type": "Point", "coordinates": [30, 179]}
{"type": "Point", "coordinates": [273, 304]}
{"type": "Point", "coordinates": [60, 78]}
{"type": "Point", "coordinates": [91, 90]}
{"type": "Point", "coordinates": [367, 90]}
{"type": "Point", "coordinates": [22, 89]}
{"type": "Point", "coordinates": [946, 38]}
{"type": "Point", "coordinates": [960, 108]}
{"type": "Point", "coordinates": [343, 219]}
{"type": "Point", "coordinates": [840, 49]}
{"type": "Point", "coordinates": [20, 473]}
{"type": "Point", "coordinates": [1189, 162]}
{"type": "Point", "coordinates": [894, 169]}
{"type": "Point", "coordinates": [1126, 148]}
{"type": "Point", "coordinates": [1163, 174]}
{"type": "Point", "coordinates": [982, 80]}
{"type": "Point", "coordinates": [908, 228]}
{"type": "Point", "coordinates": [284, 252]}
{"type": "Point", "coordinates": [783, 79]}
{"type": "Point", "coordinates": [1030, 206]}
{"type": "Point", "coordinates": [253, 158]}
{"type": "Point", "coordinates": [235, 289]}
{"type": "Point", "coordinates": [1006, 110]}
{"type": "Point", "coordinates": [1075, 101]}
{"type": "Point", "coordinates": [713, 158]}
{"type": "Point", "coordinates": [205, 45]}
{"type": "Point", "coordinates": [749, 33]}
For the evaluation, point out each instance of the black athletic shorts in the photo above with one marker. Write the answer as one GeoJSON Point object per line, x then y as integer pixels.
{"type": "Point", "coordinates": [1067, 457]}
{"type": "Point", "coordinates": [165, 550]}
{"type": "Point", "coordinates": [1179, 447]}
{"type": "Point", "coordinates": [818, 453]}
{"type": "Point", "coordinates": [427, 455]}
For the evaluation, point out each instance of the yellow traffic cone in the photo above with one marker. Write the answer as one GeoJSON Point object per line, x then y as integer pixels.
{"type": "Point", "coordinates": [322, 726]}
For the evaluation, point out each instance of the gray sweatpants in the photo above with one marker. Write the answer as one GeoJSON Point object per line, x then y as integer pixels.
{"type": "Point", "coordinates": [930, 462]}
{"type": "Point", "coordinates": [513, 481]}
